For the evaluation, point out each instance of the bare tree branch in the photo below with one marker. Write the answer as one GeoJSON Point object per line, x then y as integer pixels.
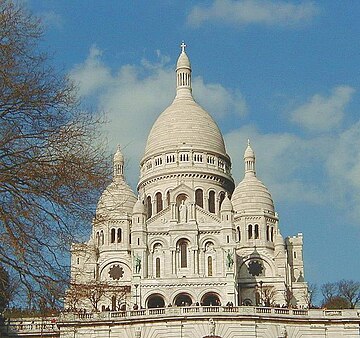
{"type": "Point", "coordinates": [53, 164]}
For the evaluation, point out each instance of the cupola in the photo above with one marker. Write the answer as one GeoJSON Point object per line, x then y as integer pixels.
{"type": "Point", "coordinates": [251, 194]}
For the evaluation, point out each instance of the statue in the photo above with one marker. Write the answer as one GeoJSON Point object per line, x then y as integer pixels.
{"type": "Point", "coordinates": [182, 212]}
{"type": "Point", "coordinates": [137, 264]}
{"type": "Point", "coordinates": [229, 259]}
{"type": "Point", "coordinates": [212, 327]}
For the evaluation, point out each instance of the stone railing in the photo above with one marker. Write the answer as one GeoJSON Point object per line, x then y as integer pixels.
{"type": "Point", "coordinates": [216, 310]}
{"type": "Point", "coordinates": [34, 326]}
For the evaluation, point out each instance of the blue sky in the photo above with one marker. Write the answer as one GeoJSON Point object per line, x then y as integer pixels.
{"type": "Point", "coordinates": [283, 73]}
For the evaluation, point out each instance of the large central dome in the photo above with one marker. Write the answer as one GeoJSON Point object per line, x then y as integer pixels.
{"type": "Point", "coordinates": [184, 124]}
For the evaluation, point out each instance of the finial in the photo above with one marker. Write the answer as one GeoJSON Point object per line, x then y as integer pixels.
{"type": "Point", "coordinates": [183, 46]}
{"type": "Point", "coordinates": [248, 141]}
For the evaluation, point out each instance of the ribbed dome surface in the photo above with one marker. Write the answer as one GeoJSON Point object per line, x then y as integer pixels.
{"type": "Point", "coordinates": [139, 207]}
{"type": "Point", "coordinates": [226, 205]}
{"type": "Point", "coordinates": [117, 200]}
{"type": "Point", "coordinates": [184, 124]}
{"type": "Point", "coordinates": [251, 194]}
{"type": "Point", "coordinates": [183, 61]}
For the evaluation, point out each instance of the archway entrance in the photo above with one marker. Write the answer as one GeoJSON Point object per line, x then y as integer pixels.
{"type": "Point", "coordinates": [210, 299]}
{"type": "Point", "coordinates": [183, 299]}
{"type": "Point", "coordinates": [155, 301]}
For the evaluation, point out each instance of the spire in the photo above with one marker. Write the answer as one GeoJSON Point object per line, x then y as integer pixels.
{"type": "Point", "coordinates": [183, 74]}
{"type": "Point", "coordinates": [118, 164]}
{"type": "Point", "coordinates": [249, 159]}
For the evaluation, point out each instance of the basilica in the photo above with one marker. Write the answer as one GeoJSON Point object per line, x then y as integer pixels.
{"type": "Point", "coordinates": [189, 236]}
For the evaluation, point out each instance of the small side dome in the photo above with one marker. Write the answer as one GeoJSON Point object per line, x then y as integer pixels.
{"type": "Point", "coordinates": [226, 204]}
{"type": "Point", "coordinates": [139, 207]}
{"type": "Point", "coordinates": [118, 199]}
{"type": "Point", "coordinates": [251, 193]}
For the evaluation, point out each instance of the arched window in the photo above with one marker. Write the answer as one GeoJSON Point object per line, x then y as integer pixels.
{"type": "Point", "coordinates": [210, 265]}
{"type": "Point", "coordinates": [199, 198]}
{"type": "Point", "coordinates": [112, 236]}
{"type": "Point", "coordinates": [212, 201]}
{"type": "Point", "coordinates": [267, 233]}
{"type": "Point", "coordinates": [239, 233]}
{"type": "Point", "coordinates": [272, 234]}
{"type": "Point", "coordinates": [221, 198]}
{"type": "Point", "coordinates": [119, 235]}
{"type": "Point", "coordinates": [113, 303]}
{"type": "Point", "coordinates": [159, 202]}
{"type": "Point", "coordinates": [183, 254]}
{"type": "Point", "coordinates": [249, 231]}
{"type": "Point", "coordinates": [102, 237]}
{"type": "Point", "coordinates": [149, 206]}
{"type": "Point", "coordinates": [256, 231]}
{"type": "Point", "coordinates": [98, 238]}
{"type": "Point", "coordinates": [168, 198]}
{"type": "Point", "coordinates": [157, 267]}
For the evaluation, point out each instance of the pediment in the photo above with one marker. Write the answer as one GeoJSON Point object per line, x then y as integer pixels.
{"type": "Point", "coordinates": [203, 216]}
{"type": "Point", "coordinates": [182, 189]}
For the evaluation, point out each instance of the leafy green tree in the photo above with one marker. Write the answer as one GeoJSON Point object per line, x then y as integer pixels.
{"type": "Point", "coordinates": [52, 162]}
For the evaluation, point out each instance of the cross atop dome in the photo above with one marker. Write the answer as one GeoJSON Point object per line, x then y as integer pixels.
{"type": "Point", "coordinates": [183, 46]}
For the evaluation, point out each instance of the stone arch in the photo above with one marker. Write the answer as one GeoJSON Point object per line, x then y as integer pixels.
{"type": "Point", "coordinates": [183, 299]}
{"type": "Point", "coordinates": [104, 274]}
{"type": "Point", "coordinates": [155, 300]}
{"type": "Point", "coordinates": [211, 299]}
{"type": "Point", "coordinates": [268, 265]}
{"type": "Point", "coordinates": [208, 238]}
{"type": "Point", "coordinates": [183, 247]}
{"type": "Point", "coordinates": [158, 240]}
{"type": "Point", "coordinates": [211, 201]}
{"type": "Point", "coordinates": [158, 201]}
{"type": "Point", "coordinates": [182, 189]}
{"type": "Point", "coordinates": [199, 197]}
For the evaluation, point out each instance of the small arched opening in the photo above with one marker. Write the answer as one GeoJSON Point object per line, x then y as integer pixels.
{"type": "Point", "coordinates": [155, 301]}
{"type": "Point", "coordinates": [199, 198]}
{"type": "Point", "coordinates": [211, 201]}
{"type": "Point", "coordinates": [159, 202]}
{"type": "Point", "coordinates": [149, 206]}
{"type": "Point", "coordinates": [210, 299]}
{"type": "Point", "coordinates": [221, 199]}
{"type": "Point", "coordinates": [183, 299]}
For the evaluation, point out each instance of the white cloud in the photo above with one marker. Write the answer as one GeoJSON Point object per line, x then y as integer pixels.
{"type": "Point", "coordinates": [323, 113]}
{"type": "Point", "coordinates": [92, 74]}
{"type": "Point", "coordinates": [283, 161]}
{"type": "Point", "coordinates": [245, 12]}
{"type": "Point", "coordinates": [135, 95]}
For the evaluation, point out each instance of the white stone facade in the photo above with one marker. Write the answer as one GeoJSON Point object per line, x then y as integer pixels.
{"type": "Point", "coordinates": [190, 237]}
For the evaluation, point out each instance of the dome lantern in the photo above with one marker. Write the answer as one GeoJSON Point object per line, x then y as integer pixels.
{"type": "Point", "coordinates": [251, 194]}
{"type": "Point", "coordinates": [249, 159]}
{"type": "Point", "coordinates": [118, 164]}
{"type": "Point", "coordinates": [183, 74]}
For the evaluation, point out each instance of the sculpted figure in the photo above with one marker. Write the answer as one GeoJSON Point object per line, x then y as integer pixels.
{"type": "Point", "coordinates": [137, 264]}
{"type": "Point", "coordinates": [182, 212]}
{"type": "Point", "coordinates": [229, 260]}
{"type": "Point", "coordinates": [212, 327]}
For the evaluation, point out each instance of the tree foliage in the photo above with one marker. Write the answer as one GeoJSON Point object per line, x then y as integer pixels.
{"type": "Point", "coordinates": [93, 293]}
{"type": "Point", "coordinates": [342, 294]}
{"type": "Point", "coordinates": [52, 164]}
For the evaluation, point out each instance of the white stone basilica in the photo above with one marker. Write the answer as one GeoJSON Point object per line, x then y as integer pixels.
{"type": "Point", "coordinates": [190, 237]}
